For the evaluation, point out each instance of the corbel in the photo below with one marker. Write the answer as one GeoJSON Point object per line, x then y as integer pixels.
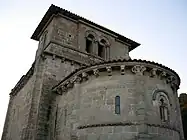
{"type": "Point", "coordinates": [138, 69]}
{"type": "Point", "coordinates": [122, 69]}
{"type": "Point", "coordinates": [54, 56]}
{"type": "Point", "coordinates": [163, 74]}
{"type": "Point", "coordinates": [62, 59]}
{"type": "Point", "coordinates": [153, 72]}
{"type": "Point", "coordinates": [85, 76]}
{"type": "Point", "coordinates": [96, 72]}
{"type": "Point", "coordinates": [109, 70]}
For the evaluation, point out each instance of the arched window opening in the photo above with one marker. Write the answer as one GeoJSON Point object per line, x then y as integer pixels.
{"type": "Point", "coordinates": [163, 110]}
{"type": "Point", "coordinates": [102, 48]}
{"type": "Point", "coordinates": [89, 43]}
{"type": "Point", "coordinates": [117, 104]}
{"type": "Point", "coordinates": [163, 103]}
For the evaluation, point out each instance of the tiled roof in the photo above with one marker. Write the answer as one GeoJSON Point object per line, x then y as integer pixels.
{"type": "Point", "coordinates": [55, 10]}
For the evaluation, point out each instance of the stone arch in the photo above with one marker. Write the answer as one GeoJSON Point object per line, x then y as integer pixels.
{"type": "Point", "coordinates": [159, 92]}
{"type": "Point", "coordinates": [103, 47]}
{"type": "Point", "coordinates": [89, 32]}
{"type": "Point", "coordinates": [101, 38]}
{"type": "Point", "coordinates": [163, 103]}
{"type": "Point", "coordinates": [90, 39]}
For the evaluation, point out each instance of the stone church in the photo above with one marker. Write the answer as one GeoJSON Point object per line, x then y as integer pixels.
{"type": "Point", "coordinates": [83, 85]}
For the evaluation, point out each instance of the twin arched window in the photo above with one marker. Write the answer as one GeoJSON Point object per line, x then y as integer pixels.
{"type": "Point", "coordinates": [102, 44]}
{"type": "Point", "coordinates": [163, 103]}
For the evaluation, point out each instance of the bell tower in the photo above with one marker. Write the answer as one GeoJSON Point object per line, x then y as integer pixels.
{"type": "Point", "coordinates": [66, 42]}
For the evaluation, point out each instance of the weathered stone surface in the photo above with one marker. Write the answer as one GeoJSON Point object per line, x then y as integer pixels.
{"type": "Point", "coordinates": [57, 101]}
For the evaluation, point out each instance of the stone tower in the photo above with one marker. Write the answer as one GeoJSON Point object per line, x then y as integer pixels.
{"type": "Point", "coordinates": [84, 86]}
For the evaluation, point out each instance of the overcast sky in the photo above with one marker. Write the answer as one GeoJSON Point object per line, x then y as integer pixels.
{"type": "Point", "coordinates": [159, 25]}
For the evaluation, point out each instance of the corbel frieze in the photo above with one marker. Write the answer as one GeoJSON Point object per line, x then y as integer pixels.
{"type": "Point", "coordinates": [135, 68]}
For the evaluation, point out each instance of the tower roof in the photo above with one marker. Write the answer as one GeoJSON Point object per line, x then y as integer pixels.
{"type": "Point", "coordinates": [53, 10]}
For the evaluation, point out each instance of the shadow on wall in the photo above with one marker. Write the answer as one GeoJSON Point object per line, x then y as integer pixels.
{"type": "Point", "coordinates": [183, 107]}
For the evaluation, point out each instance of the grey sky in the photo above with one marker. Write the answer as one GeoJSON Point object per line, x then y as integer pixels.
{"type": "Point", "coordinates": [159, 25]}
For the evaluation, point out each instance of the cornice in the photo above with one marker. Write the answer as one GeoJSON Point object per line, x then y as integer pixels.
{"type": "Point", "coordinates": [137, 67]}
{"type": "Point", "coordinates": [22, 82]}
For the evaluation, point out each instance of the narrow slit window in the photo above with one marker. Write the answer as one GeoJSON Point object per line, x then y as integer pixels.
{"type": "Point", "coordinates": [117, 104]}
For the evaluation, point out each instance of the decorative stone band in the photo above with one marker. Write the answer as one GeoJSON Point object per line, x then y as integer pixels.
{"type": "Point", "coordinates": [129, 124]}
{"type": "Point", "coordinates": [70, 53]}
{"type": "Point", "coordinates": [137, 67]}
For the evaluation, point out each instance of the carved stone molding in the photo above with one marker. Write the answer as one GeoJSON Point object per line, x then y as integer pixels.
{"type": "Point", "coordinates": [153, 72]}
{"type": "Point", "coordinates": [174, 84]}
{"type": "Point", "coordinates": [89, 32]}
{"type": "Point", "coordinates": [71, 54]}
{"type": "Point", "coordinates": [163, 74]}
{"type": "Point", "coordinates": [138, 69]}
{"type": "Point", "coordinates": [70, 84]}
{"type": "Point", "coordinates": [77, 79]}
{"type": "Point", "coordinates": [128, 123]}
{"type": "Point", "coordinates": [108, 124]}
{"type": "Point", "coordinates": [105, 39]}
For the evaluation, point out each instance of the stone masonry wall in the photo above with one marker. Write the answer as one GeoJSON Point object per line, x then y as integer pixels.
{"type": "Point", "coordinates": [87, 111]}
{"type": "Point", "coordinates": [19, 112]}
{"type": "Point", "coordinates": [55, 71]}
{"type": "Point", "coordinates": [70, 33]}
